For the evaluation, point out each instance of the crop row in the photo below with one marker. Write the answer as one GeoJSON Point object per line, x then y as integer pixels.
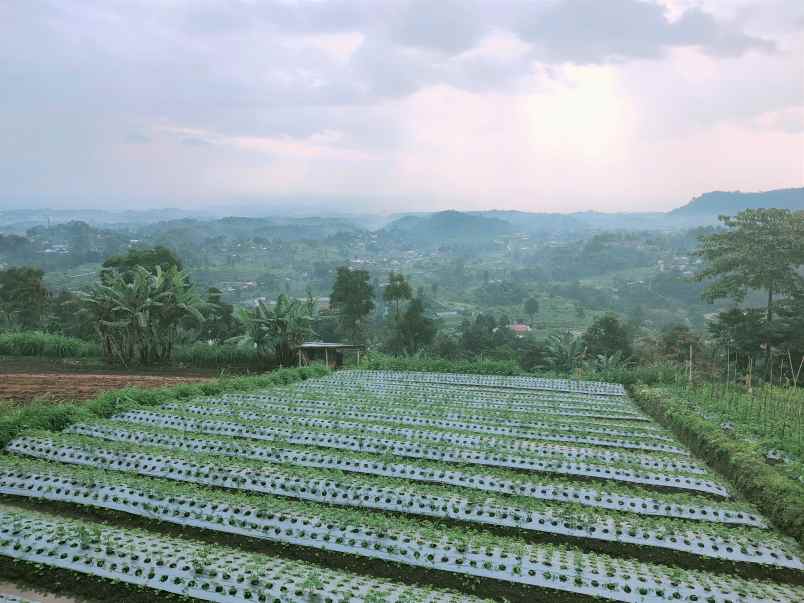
{"type": "Point", "coordinates": [608, 497]}
{"type": "Point", "coordinates": [734, 544]}
{"type": "Point", "coordinates": [418, 409]}
{"type": "Point", "coordinates": [547, 433]}
{"type": "Point", "coordinates": [228, 576]}
{"type": "Point", "coordinates": [251, 516]}
{"type": "Point", "coordinates": [273, 420]}
{"type": "Point", "coordinates": [538, 383]}
{"type": "Point", "coordinates": [107, 430]}
{"type": "Point", "coordinates": [440, 393]}
{"type": "Point", "coordinates": [489, 457]}
{"type": "Point", "coordinates": [622, 410]}
{"type": "Point", "coordinates": [185, 568]}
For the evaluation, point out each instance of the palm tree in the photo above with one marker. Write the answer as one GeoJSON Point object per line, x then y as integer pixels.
{"type": "Point", "coordinates": [278, 331]}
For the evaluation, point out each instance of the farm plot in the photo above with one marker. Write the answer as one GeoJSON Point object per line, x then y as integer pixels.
{"type": "Point", "coordinates": [58, 387]}
{"type": "Point", "coordinates": [509, 488]}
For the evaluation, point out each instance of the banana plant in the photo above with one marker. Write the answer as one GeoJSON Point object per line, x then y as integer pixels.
{"type": "Point", "coordinates": [278, 331]}
{"type": "Point", "coordinates": [564, 352]}
{"type": "Point", "coordinates": [613, 362]}
{"type": "Point", "coordinates": [137, 318]}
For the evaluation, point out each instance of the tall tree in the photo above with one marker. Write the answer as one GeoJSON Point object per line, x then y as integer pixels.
{"type": "Point", "coordinates": [607, 336]}
{"type": "Point", "coordinates": [791, 319]}
{"type": "Point", "coordinates": [413, 330]}
{"type": "Point", "coordinates": [148, 258]}
{"type": "Point", "coordinates": [220, 322]}
{"type": "Point", "coordinates": [352, 298]}
{"type": "Point", "coordinates": [23, 298]}
{"type": "Point", "coordinates": [675, 342]}
{"type": "Point", "coordinates": [397, 290]}
{"type": "Point", "coordinates": [762, 249]}
{"type": "Point", "coordinates": [531, 307]}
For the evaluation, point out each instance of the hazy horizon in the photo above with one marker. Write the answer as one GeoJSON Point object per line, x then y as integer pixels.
{"type": "Point", "coordinates": [353, 106]}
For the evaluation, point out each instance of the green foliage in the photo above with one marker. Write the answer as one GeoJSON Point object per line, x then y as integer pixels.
{"type": "Point", "coordinates": [377, 361]}
{"type": "Point", "coordinates": [277, 332]}
{"type": "Point", "coordinates": [137, 315]}
{"type": "Point", "coordinates": [487, 336]}
{"type": "Point", "coordinates": [788, 331]}
{"type": "Point", "coordinates": [148, 258]}
{"type": "Point", "coordinates": [37, 343]}
{"type": "Point", "coordinates": [739, 459]}
{"type": "Point", "coordinates": [43, 415]}
{"type": "Point", "coordinates": [531, 307]}
{"type": "Point", "coordinates": [564, 352]}
{"type": "Point", "coordinates": [675, 342]}
{"type": "Point", "coordinates": [64, 317]}
{"type": "Point", "coordinates": [665, 373]}
{"type": "Point", "coordinates": [762, 249]}
{"type": "Point", "coordinates": [220, 322]}
{"type": "Point", "coordinates": [201, 355]}
{"type": "Point", "coordinates": [608, 336]}
{"type": "Point", "coordinates": [56, 417]}
{"type": "Point", "coordinates": [220, 356]}
{"type": "Point", "coordinates": [740, 329]}
{"type": "Point", "coordinates": [352, 298]}
{"type": "Point", "coordinates": [614, 362]}
{"type": "Point", "coordinates": [397, 290]}
{"type": "Point", "coordinates": [659, 373]}
{"type": "Point", "coordinates": [23, 298]}
{"type": "Point", "coordinates": [504, 293]}
{"type": "Point", "coordinates": [413, 330]}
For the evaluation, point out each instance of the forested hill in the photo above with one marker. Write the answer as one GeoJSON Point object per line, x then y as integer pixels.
{"type": "Point", "coordinates": [447, 227]}
{"type": "Point", "coordinates": [730, 203]}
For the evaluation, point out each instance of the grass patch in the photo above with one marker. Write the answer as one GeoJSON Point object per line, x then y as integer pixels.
{"type": "Point", "coordinates": [38, 343]}
{"type": "Point", "coordinates": [200, 355]}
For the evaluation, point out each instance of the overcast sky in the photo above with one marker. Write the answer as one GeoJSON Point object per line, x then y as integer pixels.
{"type": "Point", "coordinates": [388, 105]}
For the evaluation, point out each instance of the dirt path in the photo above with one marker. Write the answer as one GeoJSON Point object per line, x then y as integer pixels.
{"type": "Point", "coordinates": [23, 387]}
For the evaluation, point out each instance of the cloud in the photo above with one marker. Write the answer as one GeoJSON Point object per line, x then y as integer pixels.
{"type": "Point", "coordinates": [211, 97]}
{"type": "Point", "coordinates": [589, 31]}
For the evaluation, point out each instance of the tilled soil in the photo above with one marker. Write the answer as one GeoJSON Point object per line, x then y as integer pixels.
{"type": "Point", "coordinates": [23, 387]}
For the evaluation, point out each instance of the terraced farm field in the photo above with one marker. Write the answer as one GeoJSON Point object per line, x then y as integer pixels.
{"type": "Point", "coordinates": [392, 487]}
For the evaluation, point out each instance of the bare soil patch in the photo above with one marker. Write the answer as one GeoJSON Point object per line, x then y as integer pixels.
{"type": "Point", "coordinates": [58, 387]}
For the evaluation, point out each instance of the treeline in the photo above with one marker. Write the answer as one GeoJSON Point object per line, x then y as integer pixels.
{"type": "Point", "coordinates": [144, 309]}
{"type": "Point", "coordinates": [63, 246]}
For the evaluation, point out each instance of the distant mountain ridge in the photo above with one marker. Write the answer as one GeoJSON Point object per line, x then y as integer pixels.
{"type": "Point", "coordinates": [439, 227]}
{"type": "Point", "coordinates": [723, 202]}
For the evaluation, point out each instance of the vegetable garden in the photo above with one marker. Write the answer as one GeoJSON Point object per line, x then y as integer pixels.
{"type": "Point", "coordinates": [385, 486]}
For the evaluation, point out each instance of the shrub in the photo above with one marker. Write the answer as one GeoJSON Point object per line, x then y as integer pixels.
{"type": "Point", "coordinates": [37, 343]}
{"type": "Point", "coordinates": [376, 361]}
{"type": "Point", "coordinates": [202, 355]}
{"type": "Point", "coordinates": [780, 498]}
{"type": "Point", "coordinates": [648, 375]}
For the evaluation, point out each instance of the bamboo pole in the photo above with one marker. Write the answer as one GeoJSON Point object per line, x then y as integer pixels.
{"type": "Point", "coordinates": [690, 373]}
